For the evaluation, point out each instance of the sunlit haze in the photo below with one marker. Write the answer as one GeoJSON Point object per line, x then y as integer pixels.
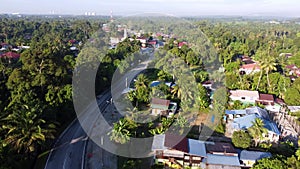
{"type": "Point", "coordinates": [284, 8]}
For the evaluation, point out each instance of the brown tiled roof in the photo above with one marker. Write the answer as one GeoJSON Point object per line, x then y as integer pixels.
{"type": "Point", "coordinates": [176, 142]}
{"type": "Point", "coordinates": [267, 97]}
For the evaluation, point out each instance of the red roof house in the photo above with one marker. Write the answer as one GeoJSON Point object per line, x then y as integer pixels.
{"type": "Point", "coordinates": [266, 99]}
{"type": "Point", "coordinates": [180, 44]}
{"type": "Point", "coordinates": [250, 68]}
{"type": "Point", "coordinates": [10, 55]}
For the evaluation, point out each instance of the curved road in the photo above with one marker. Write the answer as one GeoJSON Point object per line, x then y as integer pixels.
{"type": "Point", "coordinates": [69, 151]}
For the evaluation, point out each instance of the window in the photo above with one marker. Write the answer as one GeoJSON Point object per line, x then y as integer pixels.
{"type": "Point", "coordinates": [243, 98]}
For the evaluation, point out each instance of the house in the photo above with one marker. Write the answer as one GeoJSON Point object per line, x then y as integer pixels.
{"type": "Point", "coordinates": [208, 85]}
{"type": "Point", "coordinates": [294, 109]}
{"type": "Point", "coordinates": [266, 99]}
{"type": "Point", "coordinates": [10, 55]}
{"type": "Point", "coordinates": [245, 122]}
{"type": "Point", "coordinates": [221, 155]}
{"type": "Point", "coordinates": [180, 44]}
{"type": "Point", "coordinates": [287, 55]}
{"type": "Point", "coordinates": [248, 111]}
{"type": "Point", "coordinates": [4, 46]}
{"type": "Point", "coordinates": [244, 96]}
{"type": "Point", "coordinates": [157, 83]}
{"type": "Point", "coordinates": [173, 149]}
{"type": "Point", "coordinates": [247, 60]}
{"type": "Point", "coordinates": [220, 161]}
{"type": "Point", "coordinates": [163, 107]}
{"type": "Point", "coordinates": [219, 148]}
{"type": "Point", "coordinates": [250, 68]}
{"type": "Point", "coordinates": [152, 42]}
{"type": "Point", "coordinates": [231, 114]}
{"type": "Point", "coordinates": [142, 39]}
{"type": "Point", "coordinates": [249, 158]}
{"type": "Point", "coordinates": [293, 70]}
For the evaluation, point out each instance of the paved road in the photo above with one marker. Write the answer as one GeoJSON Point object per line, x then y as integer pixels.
{"type": "Point", "coordinates": [69, 152]}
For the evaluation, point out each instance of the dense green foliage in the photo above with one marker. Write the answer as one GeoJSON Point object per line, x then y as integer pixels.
{"type": "Point", "coordinates": [279, 162]}
{"type": "Point", "coordinates": [241, 139]}
{"type": "Point", "coordinates": [36, 90]}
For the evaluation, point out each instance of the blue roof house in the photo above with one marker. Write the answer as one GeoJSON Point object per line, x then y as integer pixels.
{"type": "Point", "coordinates": [245, 122]}
{"type": "Point", "coordinates": [249, 158]}
{"type": "Point", "coordinates": [221, 161]}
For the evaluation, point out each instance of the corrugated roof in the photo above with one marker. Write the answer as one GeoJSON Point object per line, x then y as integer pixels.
{"type": "Point", "coordinates": [222, 160]}
{"type": "Point", "coordinates": [246, 121]}
{"type": "Point", "coordinates": [259, 111]}
{"type": "Point", "coordinates": [271, 127]}
{"type": "Point", "coordinates": [235, 112]}
{"type": "Point", "coordinates": [158, 142]}
{"type": "Point", "coordinates": [219, 147]}
{"type": "Point", "coordinates": [197, 147]}
{"type": "Point", "coordinates": [162, 104]}
{"type": "Point", "coordinates": [267, 97]}
{"type": "Point", "coordinates": [176, 142]}
{"type": "Point", "coordinates": [254, 155]}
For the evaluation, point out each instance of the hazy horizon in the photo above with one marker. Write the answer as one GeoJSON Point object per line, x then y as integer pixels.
{"type": "Point", "coordinates": [287, 8]}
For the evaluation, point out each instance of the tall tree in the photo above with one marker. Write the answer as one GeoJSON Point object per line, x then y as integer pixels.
{"type": "Point", "coordinates": [257, 130]}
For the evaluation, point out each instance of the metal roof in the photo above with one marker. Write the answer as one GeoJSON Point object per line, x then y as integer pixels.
{"type": "Point", "coordinates": [222, 160]}
{"type": "Point", "coordinates": [176, 142]}
{"type": "Point", "coordinates": [254, 155]}
{"type": "Point", "coordinates": [158, 142]}
{"type": "Point", "coordinates": [161, 104]}
{"type": "Point", "coordinates": [197, 147]}
{"type": "Point", "coordinates": [235, 112]}
{"type": "Point", "coordinates": [219, 147]}
{"type": "Point", "coordinates": [271, 126]}
{"type": "Point", "coordinates": [246, 121]}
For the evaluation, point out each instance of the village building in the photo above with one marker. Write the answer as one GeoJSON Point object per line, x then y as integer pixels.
{"type": "Point", "coordinates": [163, 107]}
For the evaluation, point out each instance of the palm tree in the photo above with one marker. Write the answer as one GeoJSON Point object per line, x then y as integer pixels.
{"type": "Point", "coordinates": [244, 82]}
{"type": "Point", "coordinates": [26, 130]}
{"type": "Point", "coordinates": [270, 65]}
{"type": "Point", "coordinates": [176, 91]}
{"type": "Point", "coordinates": [120, 132]}
{"type": "Point", "coordinates": [142, 88]}
{"type": "Point", "coordinates": [141, 82]}
{"type": "Point", "coordinates": [261, 63]}
{"type": "Point", "coordinates": [257, 130]}
{"type": "Point", "coordinates": [157, 130]}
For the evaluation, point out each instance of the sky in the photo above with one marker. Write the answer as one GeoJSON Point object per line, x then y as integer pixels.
{"type": "Point", "coordinates": [285, 8]}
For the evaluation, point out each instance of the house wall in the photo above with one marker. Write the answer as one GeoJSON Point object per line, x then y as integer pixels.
{"type": "Point", "coordinates": [248, 163]}
{"type": "Point", "coordinates": [156, 112]}
{"type": "Point", "coordinates": [247, 71]}
{"type": "Point", "coordinates": [244, 99]}
{"type": "Point", "coordinates": [211, 166]}
{"type": "Point", "coordinates": [272, 137]}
